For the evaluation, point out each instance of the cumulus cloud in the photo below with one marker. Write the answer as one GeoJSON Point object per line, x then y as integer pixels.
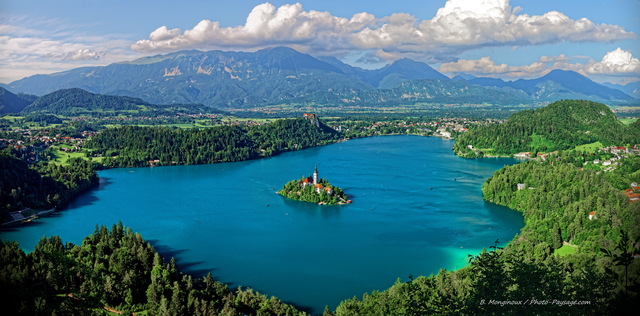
{"type": "Point", "coordinates": [266, 25]}
{"type": "Point", "coordinates": [615, 62]}
{"type": "Point", "coordinates": [458, 26]}
{"type": "Point", "coordinates": [618, 62]}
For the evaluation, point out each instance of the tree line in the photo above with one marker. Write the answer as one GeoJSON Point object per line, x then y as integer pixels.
{"type": "Point", "coordinates": [135, 146]}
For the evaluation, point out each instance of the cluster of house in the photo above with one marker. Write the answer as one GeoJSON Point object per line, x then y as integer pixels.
{"type": "Point", "coordinates": [634, 193]}
{"type": "Point", "coordinates": [147, 118]}
{"type": "Point", "coordinates": [242, 122]}
{"type": "Point", "coordinates": [635, 149]}
{"type": "Point", "coordinates": [443, 128]}
{"type": "Point", "coordinates": [618, 153]}
{"type": "Point", "coordinates": [31, 142]}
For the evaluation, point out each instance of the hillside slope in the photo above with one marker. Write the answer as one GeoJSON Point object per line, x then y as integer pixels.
{"type": "Point", "coordinates": [11, 103]}
{"type": "Point", "coordinates": [558, 126]}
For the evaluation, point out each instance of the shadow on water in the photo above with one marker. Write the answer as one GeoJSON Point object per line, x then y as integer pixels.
{"type": "Point", "coordinates": [186, 267]}
{"type": "Point", "coordinates": [85, 198]}
{"type": "Point", "coordinates": [504, 215]}
{"type": "Point", "coordinates": [19, 226]}
{"type": "Point", "coordinates": [89, 197]}
{"type": "Point", "coordinates": [166, 251]}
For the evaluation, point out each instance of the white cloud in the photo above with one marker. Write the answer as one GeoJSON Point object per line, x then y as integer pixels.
{"type": "Point", "coordinates": [26, 49]}
{"type": "Point", "coordinates": [458, 26]}
{"type": "Point", "coordinates": [615, 62]}
{"type": "Point", "coordinates": [618, 62]}
{"type": "Point", "coordinates": [487, 67]}
{"type": "Point", "coordinates": [266, 25]}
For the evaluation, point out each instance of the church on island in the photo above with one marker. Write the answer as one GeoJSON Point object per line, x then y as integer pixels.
{"type": "Point", "coordinates": [315, 190]}
{"type": "Point", "coordinates": [313, 180]}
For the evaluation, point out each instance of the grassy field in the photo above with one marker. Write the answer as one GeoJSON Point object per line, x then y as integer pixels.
{"type": "Point", "coordinates": [590, 148]}
{"type": "Point", "coordinates": [62, 157]}
{"type": "Point", "coordinates": [565, 250]}
{"type": "Point", "coordinates": [627, 121]}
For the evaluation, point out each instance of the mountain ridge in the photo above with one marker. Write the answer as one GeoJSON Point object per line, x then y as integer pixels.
{"type": "Point", "coordinates": [283, 75]}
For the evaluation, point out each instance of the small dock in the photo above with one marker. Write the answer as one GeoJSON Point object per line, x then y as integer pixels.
{"type": "Point", "coordinates": [19, 216]}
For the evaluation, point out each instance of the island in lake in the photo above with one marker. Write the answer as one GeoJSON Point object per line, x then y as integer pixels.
{"type": "Point", "coordinates": [315, 190]}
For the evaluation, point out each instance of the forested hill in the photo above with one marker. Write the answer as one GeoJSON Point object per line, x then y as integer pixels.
{"type": "Point", "coordinates": [76, 101]}
{"type": "Point", "coordinates": [68, 101]}
{"type": "Point", "coordinates": [11, 103]}
{"type": "Point", "coordinates": [133, 146]}
{"type": "Point", "coordinates": [561, 125]}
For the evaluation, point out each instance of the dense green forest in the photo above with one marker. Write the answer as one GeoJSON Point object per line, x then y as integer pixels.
{"type": "Point", "coordinates": [77, 102]}
{"type": "Point", "coordinates": [294, 190]}
{"type": "Point", "coordinates": [41, 186]}
{"type": "Point", "coordinates": [115, 270]}
{"type": "Point", "coordinates": [559, 126]}
{"type": "Point", "coordinates": [560, 195]}
{"type": "Point", "coordinates": [134, 146]}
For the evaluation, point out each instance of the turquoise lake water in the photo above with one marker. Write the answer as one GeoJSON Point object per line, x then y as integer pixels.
{"type": "Point", "coordinates": [416, 208]}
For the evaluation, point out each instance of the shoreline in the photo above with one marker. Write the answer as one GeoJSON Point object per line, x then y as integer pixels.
{"type": "Point", "coordinates": [445, 146]}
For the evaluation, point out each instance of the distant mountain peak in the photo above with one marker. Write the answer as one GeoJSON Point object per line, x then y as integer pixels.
{"type": "Point", "coordinates": [463, 76]}
{"type": "Point", "coordinates": [560, 74]}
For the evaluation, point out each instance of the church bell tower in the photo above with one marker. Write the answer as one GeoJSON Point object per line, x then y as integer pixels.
{"type": "Point", "coordinates": [315, 175]}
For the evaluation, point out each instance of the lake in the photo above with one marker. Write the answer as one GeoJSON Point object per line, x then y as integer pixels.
{"type": "Point", "coordinates": [416, 208]}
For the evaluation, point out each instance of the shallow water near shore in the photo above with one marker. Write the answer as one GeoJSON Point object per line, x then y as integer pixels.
{"type": "Point", "coordinates": [416, 208]}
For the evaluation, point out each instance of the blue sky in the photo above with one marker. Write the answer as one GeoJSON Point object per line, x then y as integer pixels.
{"type": "Point", "coordinates": [497, 38]}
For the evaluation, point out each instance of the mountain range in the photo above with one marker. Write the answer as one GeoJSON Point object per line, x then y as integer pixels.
{"type": "Point", "coordinates": [558, 84]}
{"type": "Point", "coordinates": [631, 88]}
{"type": "Point", "coordinates": [285, 76]}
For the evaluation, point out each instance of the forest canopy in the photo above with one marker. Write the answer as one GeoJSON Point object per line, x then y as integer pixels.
{"type": "Point", "coordinates": [561, 125]}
